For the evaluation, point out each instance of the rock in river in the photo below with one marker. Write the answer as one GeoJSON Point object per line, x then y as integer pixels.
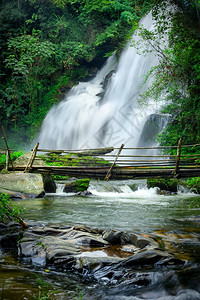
{"type": "Point", "coordinates": [26, 183]}
{"type": "Point", "coordinates": [100, 254]}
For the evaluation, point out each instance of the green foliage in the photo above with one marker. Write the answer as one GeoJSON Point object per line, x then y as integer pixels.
{"type": "Point", "coordinates": [80, 295]}
{"type": "Point", "coordinates": [82, 184]}
{"type": "Point", "coordinates": [177, 76]}
{"type": "Point", "coordinates": [46, 44]}
{"type": "Point", "coordinates": [9, 210]}
{"type": "Point", "coordinates": [14, 155]}
{"type": "Point", "coordinates": [164, 184]}
{"type": "Point", "coordinates": [73, 160]}
{"type": "Point", "coordinates": [44, 290]}
{"type": "Point", "coordinates": [27, 60]}
{"type": "Point", "coordinates": [59, 177]}
{"type": "Point", "coordinates": [160, 242]}
{"type": "Point", "coordinates": [193, 184]}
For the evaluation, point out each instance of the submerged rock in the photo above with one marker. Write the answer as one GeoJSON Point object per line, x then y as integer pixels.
{"type": "Point", "coordinates": [84, 193]}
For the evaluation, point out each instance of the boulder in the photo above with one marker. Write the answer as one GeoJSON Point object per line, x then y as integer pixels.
{"type": "Point", "coordinates": [150, 258]}
{"type": "Point", "coordinates": [27, 183]}
{"type": "Point", "coordinates": [124, 238]}
{"type": "Point", "coordinates": [49, 184]}
{"type": "Point", "coordinates": [84, 238]}
{"type": "Point", "coordinates": [76, 186]}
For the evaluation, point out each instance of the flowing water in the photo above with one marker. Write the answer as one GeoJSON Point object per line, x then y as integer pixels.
{"type": "Point", "coordinates": [123, 205]}
{"type": "Point", "coordinates": [86, 119]}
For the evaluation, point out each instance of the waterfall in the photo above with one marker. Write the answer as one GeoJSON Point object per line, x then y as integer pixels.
{"type": "Point", "coordinates": [104, 111]}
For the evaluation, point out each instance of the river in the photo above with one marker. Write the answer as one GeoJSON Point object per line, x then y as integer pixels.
{"type": "Point", "coordinates": [123, 205]}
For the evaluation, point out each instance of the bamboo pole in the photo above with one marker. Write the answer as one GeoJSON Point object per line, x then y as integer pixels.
{"type": "Point", "coordinates": [135, 148]}
{"type": "Point", "coordinates": [177, 159]}
{"type": "Point", "coordinates": [110, 170]}
{"type": "Point", "coordinates": [31, 160]}
{"type": "Point", "coordinates": [8, 151]}
{"type": "Point", "coordinates": [7, 160]}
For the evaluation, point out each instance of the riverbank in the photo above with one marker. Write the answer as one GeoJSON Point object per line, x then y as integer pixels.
{"type": "Point", "coordinates": [119, 206]}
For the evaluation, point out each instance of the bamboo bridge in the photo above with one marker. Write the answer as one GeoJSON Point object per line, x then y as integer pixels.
{"type": "Point", "coordinates": [116, 163]}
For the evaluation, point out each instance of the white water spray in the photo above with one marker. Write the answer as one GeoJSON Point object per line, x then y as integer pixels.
{"type": "Point", "coordinates": [84, 120]}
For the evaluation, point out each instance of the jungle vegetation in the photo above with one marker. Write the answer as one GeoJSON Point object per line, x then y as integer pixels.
{"type": "Point", "coordinates": [49, 45]}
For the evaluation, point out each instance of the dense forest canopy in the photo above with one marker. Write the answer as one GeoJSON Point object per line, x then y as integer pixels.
{"type": "Point", "coordinates": [47, 45]}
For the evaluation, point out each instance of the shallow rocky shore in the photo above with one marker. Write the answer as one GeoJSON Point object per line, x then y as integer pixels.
{"type": "Point", "coordinates": [98, 254]}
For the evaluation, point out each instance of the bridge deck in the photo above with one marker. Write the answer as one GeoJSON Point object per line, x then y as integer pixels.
{"type": "Point", "coordinates": [117, 172]}
{"type": "Point", "coordinates": [117, 163]}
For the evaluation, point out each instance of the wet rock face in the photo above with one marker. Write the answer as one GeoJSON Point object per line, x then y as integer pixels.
{"type": "Point", "coordinates": [110, 255]}
{"type": "Point", "coordinates": [26, 183]}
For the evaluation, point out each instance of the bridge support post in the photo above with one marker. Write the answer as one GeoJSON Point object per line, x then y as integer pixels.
{"type": "Point", "coordinates": [8, 157]}
{"type": "Point", "coordinates": [110, 170]}
{"type": "Point", "coordinates": [177, 159]}
{"type": "Point", "coordinates": [31, 160]}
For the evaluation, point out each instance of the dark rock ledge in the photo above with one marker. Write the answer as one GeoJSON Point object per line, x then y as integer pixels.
{"type": "Point", "coordinates": [94, 252]}
{"type": "Point", "coordinates": [109, 255]}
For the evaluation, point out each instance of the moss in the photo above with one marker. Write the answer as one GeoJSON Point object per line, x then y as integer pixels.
{"type": "Point", "coordinates": [59, 177]}
{"type": "Point", "coordinates": [76, 186]}
{"type": "Point", "coordinates": [73, 160]}
{"type": "Point", "coordinates": [164, 184]}
{"type": "Point", "coordinates": [82, 184]}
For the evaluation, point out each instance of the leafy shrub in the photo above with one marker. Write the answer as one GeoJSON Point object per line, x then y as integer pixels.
{"type": "Point", "coordinates": [164, 184]}
{"type": "Point", "coordinates": [14, 155]}
{"type": "Point", "coordinates": [193, 184]}
{"type": "Point", "coordinates": [9, 210]}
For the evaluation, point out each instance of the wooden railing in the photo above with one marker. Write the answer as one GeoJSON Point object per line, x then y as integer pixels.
{"type": "Point", "coordinates": [115, 163]}
{"type": "Point", "coordinates": [123, 162]}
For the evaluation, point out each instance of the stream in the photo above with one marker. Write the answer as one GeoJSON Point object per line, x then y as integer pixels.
{"type": "Point", "coordinates": [122, 205]}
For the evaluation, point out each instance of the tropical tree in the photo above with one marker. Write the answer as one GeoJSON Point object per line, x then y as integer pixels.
{"type": "Point", "coordinates": [176, 40]}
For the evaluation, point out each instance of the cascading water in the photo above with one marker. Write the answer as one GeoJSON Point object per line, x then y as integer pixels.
{"type": "Point", "coordinates": [85, 120]}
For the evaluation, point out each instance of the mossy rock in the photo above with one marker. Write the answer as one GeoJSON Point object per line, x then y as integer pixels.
{"type": "Point", "coordinates": [75, 186]}
{"type": "Point", "coordinates": [163, 184]}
